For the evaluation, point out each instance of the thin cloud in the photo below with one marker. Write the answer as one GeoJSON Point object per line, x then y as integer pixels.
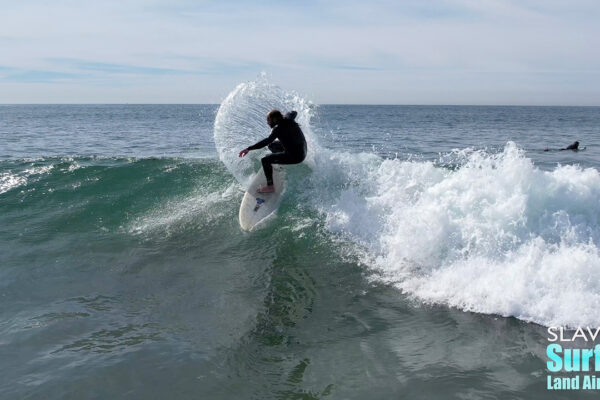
{"type": "Point", "coordinates": [110, 68]}
{"type": "Point", "coordinates": [34, 76]}
{"type": "Point", "coordinates": [456, 51]}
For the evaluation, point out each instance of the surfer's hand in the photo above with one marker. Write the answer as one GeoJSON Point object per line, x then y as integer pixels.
{"type": "Point", "coordinates": [244, 152]}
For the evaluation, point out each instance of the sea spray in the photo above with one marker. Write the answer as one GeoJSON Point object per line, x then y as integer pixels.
{"type": "Point", "coordinates": [241, 122]}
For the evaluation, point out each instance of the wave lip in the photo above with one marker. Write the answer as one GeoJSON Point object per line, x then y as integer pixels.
{"type": "Point", "coordinates": [9, 181]}
{"type": "Point", "coordinates": [12, 179]}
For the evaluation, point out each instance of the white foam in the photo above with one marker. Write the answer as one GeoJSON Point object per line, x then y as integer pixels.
{"type": "Point", "coordinates": [9, 181]}
{"type": "Point", "coordinates": [497, 235]}
{"type": "Point", "coordinates": [38, 170]}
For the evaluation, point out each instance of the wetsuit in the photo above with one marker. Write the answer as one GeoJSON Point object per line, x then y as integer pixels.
{"type": "Point", "coordinates": [290, 149]}
{"type": "Point", "coordinates": [574, 146]}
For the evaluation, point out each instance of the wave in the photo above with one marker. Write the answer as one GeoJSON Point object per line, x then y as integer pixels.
{"type": "Point", "coordinates": [114, 194]}
{"type": "Point", "coordinates": [485, 232]}
{"type": "Point", "coordinates": [482, 231]}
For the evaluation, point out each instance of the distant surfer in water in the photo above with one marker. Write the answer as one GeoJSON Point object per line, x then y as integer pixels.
{"type": "Point", "coordinates": [574, 147]}
{"type": "Point", "coordinates": [289, 149]}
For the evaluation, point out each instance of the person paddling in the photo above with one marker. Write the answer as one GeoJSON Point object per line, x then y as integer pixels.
{"type": "Point", "coordinates": [574, 147]}
{"type": "Point", "coordinates": [290, 148]}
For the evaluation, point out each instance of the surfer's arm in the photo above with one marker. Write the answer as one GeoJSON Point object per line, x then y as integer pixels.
{"type": "Point", "coordinates": [266, 141]}
{"type": "Point", "coordinates": [260, 144]}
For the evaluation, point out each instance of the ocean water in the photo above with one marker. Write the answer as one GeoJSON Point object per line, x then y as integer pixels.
{"type": "Point", "coordinates": [419, 252]}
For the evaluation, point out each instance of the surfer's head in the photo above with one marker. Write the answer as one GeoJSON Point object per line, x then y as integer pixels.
{"type": "Point", "coordinates": [274, 117]}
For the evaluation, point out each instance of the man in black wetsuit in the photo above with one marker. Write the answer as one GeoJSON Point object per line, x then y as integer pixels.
{"type": "Point", "coordinates": [290, 149]}
{"type": "Point", "coordinates": [574, 146]}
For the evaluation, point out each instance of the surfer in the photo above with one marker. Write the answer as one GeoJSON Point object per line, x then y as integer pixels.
{"type": "Point", "coordinates": [289, 149]}
{"type": "Point", "coordinates": [574, 147]}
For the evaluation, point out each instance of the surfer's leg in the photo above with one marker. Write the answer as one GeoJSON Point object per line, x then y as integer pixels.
{"type": "Point", "coordinates": [277, 158]}
{"type": "Point", "coordinates": [267, 163]}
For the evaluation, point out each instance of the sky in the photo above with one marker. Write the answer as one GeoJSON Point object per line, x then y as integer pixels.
{"type": "Point", "coordinates": [497, 52]}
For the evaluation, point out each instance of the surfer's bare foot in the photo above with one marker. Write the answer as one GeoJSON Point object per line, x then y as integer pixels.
{"type": "Point", "coordinates": [266, 189]}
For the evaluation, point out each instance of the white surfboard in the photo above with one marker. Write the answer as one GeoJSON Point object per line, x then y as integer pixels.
{"type": "Point", "coordinates": [256, 207]}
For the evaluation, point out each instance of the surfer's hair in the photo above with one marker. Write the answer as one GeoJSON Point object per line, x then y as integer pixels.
{"type": "Point", "coordinates": [275, 115]}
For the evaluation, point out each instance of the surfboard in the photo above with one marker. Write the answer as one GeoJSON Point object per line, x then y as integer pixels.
{"type": "Point", "coordinates": [256, 207]}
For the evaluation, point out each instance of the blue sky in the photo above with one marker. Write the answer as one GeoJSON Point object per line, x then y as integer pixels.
{"type": "Point", "coordinates": [366, 52]}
